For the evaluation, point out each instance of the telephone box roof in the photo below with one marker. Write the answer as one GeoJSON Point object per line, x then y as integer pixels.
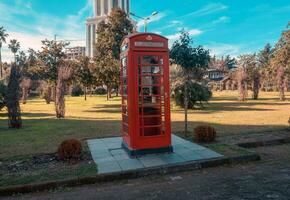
{"type": "Point", "coordinates": [142, 34]}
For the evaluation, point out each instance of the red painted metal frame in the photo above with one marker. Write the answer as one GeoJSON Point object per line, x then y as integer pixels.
{"type": "Point", "coordinates": [133, 137]}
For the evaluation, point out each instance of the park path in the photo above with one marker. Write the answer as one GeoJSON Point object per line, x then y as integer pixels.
{"type": "Point", "coordinates": [266, 179]}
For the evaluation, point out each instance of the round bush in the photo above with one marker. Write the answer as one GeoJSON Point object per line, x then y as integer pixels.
{"type": "Point", "coordinates": [70, 150]}
{"type": "Point", "coordinates": [204, 134]}
{"type": "Point", "coordinates": [100, 91]}
{"type": "Point", "coordinates": [196, 94]}
{"type": "Point", "coordinates": [77, 91]}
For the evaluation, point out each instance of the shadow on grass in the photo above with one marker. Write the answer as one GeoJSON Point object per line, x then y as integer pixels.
{"type": "Point", "coordinates": [105, 109]}
{"type": "Point", "coordinates": [213, 107]}
{"type": "Point", "coordinates": [44, 135]}
{"type": "Point", "coordinates": [30, 115]}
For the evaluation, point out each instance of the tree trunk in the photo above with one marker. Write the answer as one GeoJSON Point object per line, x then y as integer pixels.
{"type": "Point", "coordinates": [47, 94]}
{"type": "Point", "coordinates": [256, 86]}
{"type": "Point", "coordinates": [91, 92]}
{"type": "Point", "coordinates": [185, 108]}
{"type": "Point", "coordinates": [108, 89]}
{"type": "Point", "coordinates": [85, 93]}
{"type": "Point", "coordinates": [59, 98]}
{"type": "Point", "coordinates": [117, 91]}
{"type": "Point", "coordinates": [24, 95]}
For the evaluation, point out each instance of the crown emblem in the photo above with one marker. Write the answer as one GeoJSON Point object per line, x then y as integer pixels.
{"type": "Point", "coordinates": [149, 37]}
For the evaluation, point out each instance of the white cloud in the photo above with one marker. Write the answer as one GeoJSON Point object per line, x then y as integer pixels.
{"type": "Point", "coordinates": [192, 32]}
{"type": "Point", "coordinates": [224, 49]}
{"type": "Point", "coordinates": [41, 25]}
{"type": "Point", "coordinates": [223, 19]}
{"type": "Point", "coordinates": [208, 9]}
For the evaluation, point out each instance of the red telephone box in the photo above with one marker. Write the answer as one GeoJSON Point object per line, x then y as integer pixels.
{"type": "Point", "coordinates": [146, 124]}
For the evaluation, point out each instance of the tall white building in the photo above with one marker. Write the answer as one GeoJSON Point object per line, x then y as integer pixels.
{"type": "Point", "coordinates": [102, 9]}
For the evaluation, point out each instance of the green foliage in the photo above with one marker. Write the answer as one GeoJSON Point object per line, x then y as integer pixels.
{"type": "Point", "coordinates": [100, 91]}
{"type": "Point", "coordinates": [197, 94]}
{"type": "Point", "coordinates": [107, 48]}
{"type": "Point", "coordinates": [84, 73]}
{"type": "Point", "coordinates": [12, 98]}
{"type": "Point", "coordinates": [192, 59]}
{"type": "Point", "coordinates": [77, 91]}
{"type": "Point", "coordinates": [14, 46]}
{"type": "Point", "coordinates": [52, 57]}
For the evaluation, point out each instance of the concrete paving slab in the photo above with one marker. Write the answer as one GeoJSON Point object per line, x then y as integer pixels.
{"type": "Point", "coordinates": [152, 160]}
{"type": "Point", "coordinates": [108, 167]}
{"type": "Point", "coordinates": [109, 155]}
{"type": "Point", "coordinates": [130, 164]}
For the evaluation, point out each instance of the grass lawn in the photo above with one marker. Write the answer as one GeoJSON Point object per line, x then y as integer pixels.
{"type": "Point", "coordinates": [96, 118]}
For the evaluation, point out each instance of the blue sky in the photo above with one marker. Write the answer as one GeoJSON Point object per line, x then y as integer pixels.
{"type": "Point", "coordinates": [225, 27]}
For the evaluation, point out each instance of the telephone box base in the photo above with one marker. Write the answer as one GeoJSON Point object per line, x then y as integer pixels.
{"type": "Point", "coordinates": [141, 152]}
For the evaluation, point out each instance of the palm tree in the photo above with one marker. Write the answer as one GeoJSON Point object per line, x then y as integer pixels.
{"type": "Point", "coordinates": [3, 36]}
{"type": "Point", "coordinates": [14, 46]}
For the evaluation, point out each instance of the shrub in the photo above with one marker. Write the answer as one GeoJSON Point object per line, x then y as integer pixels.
{"type": "Point", "coordinates": [3, 89]}
{"type": "Point", "coordinates": [100, 91]}
{"type": "Point", "coordinates": [70, 150]}
{"type": "Point", "coordinates": [77, 91]}
{"type": "Point", "coordinates": [204, 134]}
{"type": "Point", "coordinates": [196, 94]}
{"type": "Point", "coordinates": [12, 98]}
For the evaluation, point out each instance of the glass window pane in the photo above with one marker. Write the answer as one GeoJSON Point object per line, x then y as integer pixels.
{"type": "Point", "coordinates": [152, 131]}
{"type": "Point", "coordinates": [147, 60]}
{"type": "Point", "coordinates": [151, 70]}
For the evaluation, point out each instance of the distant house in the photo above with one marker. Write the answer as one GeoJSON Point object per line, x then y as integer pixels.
{"type": "Point", "coordinates": [215, 75]}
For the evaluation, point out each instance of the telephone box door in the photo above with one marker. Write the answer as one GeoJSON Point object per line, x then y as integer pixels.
{"type": "Point", "coordinates": [153, 98]}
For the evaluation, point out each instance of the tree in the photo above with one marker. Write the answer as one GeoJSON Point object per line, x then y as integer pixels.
{"type": "Point", "coordinates": [192, 60]}
{"type": "Point", "coordinates": [107, 48]}
{"type": "Point", "coordinates": [230, 62]}
{"type": "Point", "coordinates": [264, 58]}
{"type": "Point", "coordinates": [251, 72]}
{"type": "Point", "coordinates": [12, 98]}
{"type": "Point", "coordinates": [281, 82]}
{"type": "Point", "coordinates": [14, 46]}
{"type": "Point", "coordinates": [84, 73]}
{"type": "Point", "coordinates": [52, 57]}
{"type": "Point", "coordinates": [3, 36]}
{"type": "Point", "coordinates": [119, 26]}
{"type": "Point", "coordinates": [281, 62]}
{"type": "Point", "coordinates": [64, 75]}
{"type": "Point", "coordinates": [241, 77]}
{"type": "Point", "coordinates": [197, 94]}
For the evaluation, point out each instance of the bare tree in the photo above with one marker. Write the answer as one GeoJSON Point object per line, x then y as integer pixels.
{"type": "Point", "coordinates": [25, 86]}
{"type": "Point", "coordinates": [64, 75]}
{"type": "Point", "coordinates": [281, 82]}
{"type": "Point", "coordinates": [241, 77]}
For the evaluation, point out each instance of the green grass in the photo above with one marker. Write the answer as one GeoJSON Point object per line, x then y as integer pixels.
{"type": "Point", "coordinates": [228, 150]}
{"type": "Point", "coordinates": [44, 175]}
{"type": "Point", "coordinates": [97, 118]}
